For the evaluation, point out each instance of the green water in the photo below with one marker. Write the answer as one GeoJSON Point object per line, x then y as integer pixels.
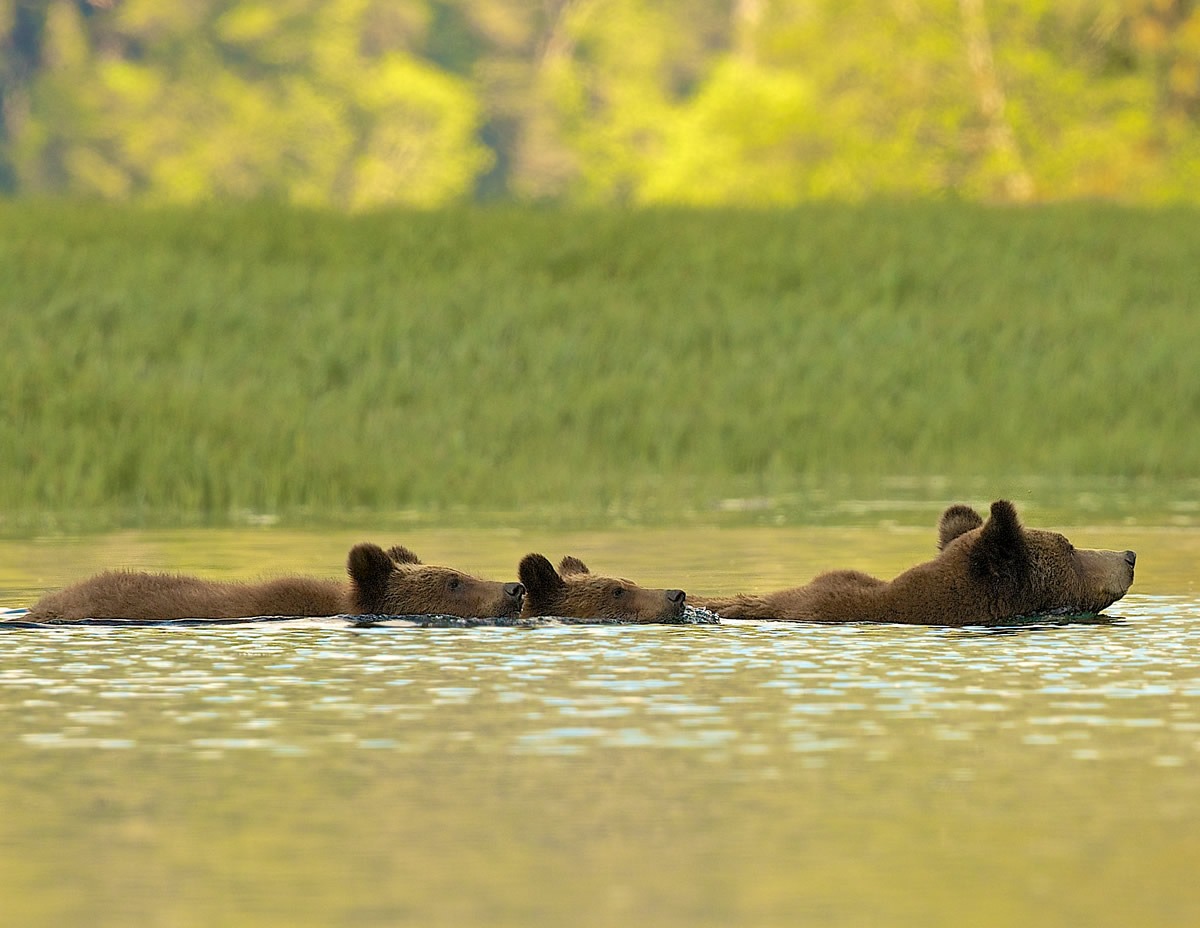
{"type": "Point", "coordinates": [737, 775]}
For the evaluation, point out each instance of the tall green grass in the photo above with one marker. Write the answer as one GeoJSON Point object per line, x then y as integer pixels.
{"type": "Point", "coordinates": [188, 364]}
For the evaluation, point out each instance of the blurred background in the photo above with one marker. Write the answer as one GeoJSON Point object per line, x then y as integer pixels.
{"type": "Point", "coordinates": [366, 103]}
{"type": "Point", "coordinates": [597, 261]}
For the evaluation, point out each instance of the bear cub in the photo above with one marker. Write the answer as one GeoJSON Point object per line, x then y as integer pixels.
{"type": "Point", "coordinates": [381, 583]}
{"type": "Point", "coordinates": [575, 592]}
{"type": "Point", "coordinates": [395, 582]}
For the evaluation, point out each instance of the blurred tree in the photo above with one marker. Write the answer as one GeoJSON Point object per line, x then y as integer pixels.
{"type": "Point", "coordinates": [1001, 141]}
{"type": "Point", "coordinates": [613, 77]}
{"type": "Point", "coordinates": [1003, 100]}
{"type": "Point", "coordinates": [362, 102]}
{"type": "Point", "coordinates": [311, 102]}
{"type": "Point", "coordinates": [1162, 37]}
{"type": "Point", "coordinates": [1168, 33]}
{"type": "Point", "coordinates": [503, 45]}
{"type": "Point", "coordinates": [531, 57]}
{"type": "Point", "coordinates": [18, 63]}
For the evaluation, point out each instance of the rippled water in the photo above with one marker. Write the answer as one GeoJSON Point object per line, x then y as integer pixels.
{"type": "Point", "coordinates": [751, 774]}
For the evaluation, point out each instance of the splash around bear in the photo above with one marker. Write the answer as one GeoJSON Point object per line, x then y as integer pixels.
{"type": "Point", "coordinates": [575, 592]}
{"type": "Point", "coordinates": [987, 573]}
{"type": "Point", "coordinates": [381, 583]}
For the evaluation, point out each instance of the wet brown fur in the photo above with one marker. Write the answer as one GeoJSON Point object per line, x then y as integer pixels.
{"type": "Point", "coordinates": [379, 581]}
{"type": "Point", "coordinates": [986, 574]}
{"type": "Point", "coordinates": [129, 594]}
{"type": "Point", "coordinates": [954, 521]}
{"type": "Point", "coordinates": [578, 593]}
{"type": "Point", "coordinates": [397, 583]}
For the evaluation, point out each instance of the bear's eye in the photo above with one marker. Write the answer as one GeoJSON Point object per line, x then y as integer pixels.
{"type": "Point", "coordinates": [618, 592]}
{"type": "Point", "coordinates": [454, 583]}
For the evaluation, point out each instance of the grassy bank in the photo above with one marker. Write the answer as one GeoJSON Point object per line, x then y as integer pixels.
{"type": "Point", "coordinates": [176, 365]}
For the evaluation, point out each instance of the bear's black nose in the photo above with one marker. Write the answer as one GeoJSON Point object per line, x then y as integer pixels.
{"type": "Point", "coordinates": [514, 590]}
{"type": "Point", "coordinates": [1130, 558]}
{"type": "Point", "coordinates": [676, 596]}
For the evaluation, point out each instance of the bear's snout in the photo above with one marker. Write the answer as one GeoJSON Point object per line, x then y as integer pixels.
{"type": "Point", "coordinates": [676, 597]}
{"type": "Point", "coordinates": [514, 590]}
{"type": "Point", "coordinates": [1112, 572]}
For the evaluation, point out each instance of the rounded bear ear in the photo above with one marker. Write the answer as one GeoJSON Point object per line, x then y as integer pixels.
{"type": "Point", "coordinates": [572, 565]}
{"type": "Point", "coordinates": [1000, 552]}
{"type": "Point", "coordinates": [543, 585]}
{"type": "Point", "coordinates": [955, 521]}
{"type": "Point", "coordinates": [369, 568]}
{"type": "Point", "coordinates": [402, 555]}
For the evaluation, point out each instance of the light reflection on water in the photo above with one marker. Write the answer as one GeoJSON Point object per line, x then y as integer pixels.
{"type": "Point", "coordinates": [752, 774]}
{"type": "Point", "coordinates": [995, 758]}
{"type": "Point", "coordinates": [573, 690]}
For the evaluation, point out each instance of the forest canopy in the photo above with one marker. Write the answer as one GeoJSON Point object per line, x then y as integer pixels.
{"type": "Point", "coordinates": [356, 104]}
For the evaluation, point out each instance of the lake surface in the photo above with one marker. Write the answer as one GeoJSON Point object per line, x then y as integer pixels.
{"type": "Point", "coordinates": [747, 774]}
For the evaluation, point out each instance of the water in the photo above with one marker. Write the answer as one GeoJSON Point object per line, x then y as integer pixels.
{"type": "Point", "coordinates": [749, 774]}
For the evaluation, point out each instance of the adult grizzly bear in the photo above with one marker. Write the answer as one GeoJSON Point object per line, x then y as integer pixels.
{"type": "Point", "coordinates": [381, 583]}
{"type": "Point", "coordinates": [986, 574]}
{"type": "Point", "coordinates": [577, 593]}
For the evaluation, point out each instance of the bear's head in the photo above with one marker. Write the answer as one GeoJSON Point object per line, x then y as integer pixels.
{"type": "Point", "coordinates": [1023, 572]}
{"type": "Point", "coordinates": [395, 582]}
{"type": "Point", "coordinates": [578, 593]}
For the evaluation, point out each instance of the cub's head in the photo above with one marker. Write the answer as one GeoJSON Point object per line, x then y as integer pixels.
{"type": "Point", "coordinates": [395, 582]}
{"type": "Point", "coordinates": [578, 593]}
{"type": "Point", "coordinates": [1024, 571]}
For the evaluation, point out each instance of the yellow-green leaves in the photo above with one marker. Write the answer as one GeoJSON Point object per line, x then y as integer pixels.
{"type": "Point", "coordinates": [357, 104]}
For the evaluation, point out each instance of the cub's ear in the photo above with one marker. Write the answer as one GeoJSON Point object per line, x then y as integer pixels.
{"type": "Point", "coordinates": [1000, 553]}
{"type": "Point", "coordinates": [369, 568]}
{"type": "Point", "coordinates": [572, 565]}
{"type": "Point", "coordinates": [954, 521]}
{"type": "Point", "coordinates": [401, 555]}
{"type": "Point", "coordinates": [543, 586]}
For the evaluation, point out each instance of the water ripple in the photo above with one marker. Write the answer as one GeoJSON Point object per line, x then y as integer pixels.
{"type": "Point", "coordinates": [747, 689]}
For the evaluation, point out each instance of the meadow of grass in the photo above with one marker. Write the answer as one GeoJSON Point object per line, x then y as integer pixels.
{"type": "Point", "coordinates": [189, 365]}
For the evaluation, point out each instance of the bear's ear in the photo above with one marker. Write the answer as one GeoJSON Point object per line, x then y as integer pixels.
{"type": "Point", "coordinates": [401, 555]}
{"type": "Point", "coordinates": [369, 568]}
{"type": "Point", "coordinates": [572, 565]}
{"type": "Point", "coordinates": [954, 521]}
{"type": "Point", "coordinates": [543, 586]}
{"type": "Point", "coordinates": [1000, 553]}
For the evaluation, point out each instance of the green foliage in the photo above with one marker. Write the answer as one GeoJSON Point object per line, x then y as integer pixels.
{"type": "Point", "coordinates": [356, 104]}
{"type": "Point", "coordinates": [177, 363]}
{"type": "Point", "coordinates": [271, 100]}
